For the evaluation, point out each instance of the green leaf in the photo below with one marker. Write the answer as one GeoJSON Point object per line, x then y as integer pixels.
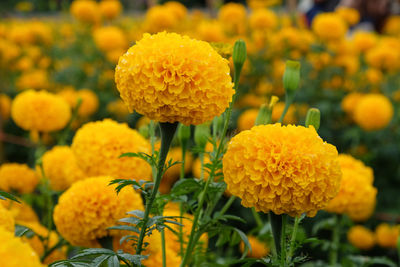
{"type": "Point", "coordinates": [5, 195]}
{"type": "Point", "coordinates": [21, 230]}
{"type": "Point", "coordinates": [245, 240]}
{"type": "Point", "coordinates": [113, 261]}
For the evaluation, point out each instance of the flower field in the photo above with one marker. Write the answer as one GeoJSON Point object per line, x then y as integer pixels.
{"type": "Point", "coordinates": [175, 136]}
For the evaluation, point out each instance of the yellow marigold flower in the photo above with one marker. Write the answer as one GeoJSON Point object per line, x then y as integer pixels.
{"type": "Point", "coordinates": [363, 41]}
{"type": "Point", "coordinates": [283, 169]}
{"type": "Point", "coordinates": [114, 55]}
{"type": "Point", "coordinates": [392, 25]}
{"type": "Point", "coordinates": [187, 80]}
{"type": "Point", "coordinates": [210, 31]}
{"type": "Point", "coordinates": [233, 17]}
{"type": "Point", "coordinates": [61, 168]}
{"type": "Point", "coordinates": [350, 101]}
{"type": "Point", "coordinates": [350, 15]}
{"type": "Point", "coordinates": [361, 237]}
{"type": "Point", "coordinates": [35, 79]}
{"type": "Point", "coordinates": [110, 9]}
{"type": "Point", "coordinates": [118, 109]}
{"type": "Point", "coordinates": [290, 117]}
{"type": "Point", "coordinates": [15, 253]}
{"type": "Point", "coordinates": [89, 207]}
{"type": "Point", "coordinates": [6, 219]}
{"type": "Point", "coordinates": [387, 235]}
{"type": "Point", "coordinates": [383, 57]}
{"type": "Point", "coordinates": [159, 18]}
{"type": "Point", "coordinates": [40, 111]}
{"type": "Point", "coordinates": [86, 11]}
{"type": "Point", "coordinates": [263, 19]}
{"type": "Point", "coordinates": [98, 145]}
{"type": "Point", "coordinates": [247, 119]}
{"type": "Point", "coordinates": [17, 177]}
{"type": "Point", "coordinates": [373, 75]}
{"type": "Point", "coordinates": [329, 26]}
{"type": "Point", "coordinates": [173, 173]}
{"type": "Point", "coordinates": [373, 112]}
{"type": "Point", "coordinates": [177, 9]}
{"type": "Point", "coordinates": [250, 100]}
{"type": "Point", "coordinates": [21, 212]}
{"type": "Point", "coordinates": [38, 243]}
{"type": "Point", "coordinates": [89, 100]}
{"type": "Point", "coordinates": [357, 195]}
{"type": "Point", "coordinates": [8, 51]}
{"type": "Point", "coordinates": [258, 249]}
{"type": "Point", "coordinates": [110, 38]}
{"type": "Point", "coordinates": [5, 107]}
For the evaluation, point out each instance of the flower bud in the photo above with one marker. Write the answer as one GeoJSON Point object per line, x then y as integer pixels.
{"type": "Point", "coordinates": [313, 118]}
{"type": "Point", "coordinates": [239, 55]}
{"type": "Point", "coordinates": [183, 134]}
{"type": "Point", "coordinates": [265, 112]}
{"type": "Point", "coordinates": [291, 76]}
{"type": "Point", "coordinates": [201, 134]}
{"type": "Point", "coordinates": [144, 131]}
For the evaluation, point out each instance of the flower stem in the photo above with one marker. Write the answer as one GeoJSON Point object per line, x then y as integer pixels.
{"type": "Point", "coordinates": [333, 254]}
{"type": "Point", "coordinates": [182, 175]}
{"type": "Point", "coordinates": [167, 133]}
{"type": "Point", "coordinates": [288, 101]}
{"type": "Point", "coordinates": [227, 205]}
{"type": "Point", "coordinates": [257, 218]}
{"type": "Point", "coordinates": [293, 239]}
{"type": "Point", "coordinates": [164, 256]}
{"type": "Point", "coordinates": [283, 240]}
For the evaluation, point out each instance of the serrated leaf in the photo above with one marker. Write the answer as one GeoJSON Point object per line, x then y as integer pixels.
{"type": "Point", "coordinates": [125, 228]}
{"type": "Point", "coordinates": [21, 230]}
{"type": "Point", "coordinates": [245, 240]}
{"type": "Point", "coordinates": [113, 261]}
{"type": "Point", "coordinates": [137, 213]}
{"type": "Point", "coordinates": [93, 252]}
{"type": "Point", "coordinates": [99, 260]}
{"type": "Point", "coordinates": [5, 195]}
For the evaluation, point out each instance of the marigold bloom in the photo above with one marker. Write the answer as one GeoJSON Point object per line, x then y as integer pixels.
{"type": "Point", "coordinates": [17, 177]}
{"type": "Point", "coordinates": [6, 219]}
{"type": "Point", "coordinates": [89, 104]}
{"type": "Point", "coordinates": [177, 9]}
{"type": "Point", "coordinates": [21, 212]}
{"type": "Point", "coordinates": [110, 9]}
{"type": "Point", "coordinates": [361, 237]}
{"type": "Point", "coordinates": [263, 19]}
{"type": "Point", "coordinates": [383, 57]}
{"type": "Point", "coordinates": [61, 168]}
{"type": "Point", "coordinates": [34, 79]}
{"type": "Point", "coordinates": [363, 41]}
{"type": "Point", "coordinates": [357, 195]}
{"type": "Point", "coordinates": [350, 15]}
{"type": "Point", "coordinates": [98, 145]}
{"type": "Point", "coordinates": [290, 117]}
{"type": "Point", "coordinates": [159, 18]}
{"type": "Point", "coordinates": [247, 119]}
{"type": "Point", "coordinates": [258, 249]}
{"type": "Point", "coordinates": [118, 109]}
{"type": "Point", "coordinates": [233, 17]}
{"type": "Point", "coordinates": [170, 78]}
{"type": "Point", "coordinates": [283, 169]}
{"type": "Point", "coordinates": [110, 38]}
{"type": "Point", "coordinates": [350, 101]}
{"type": "Point", "coordinates": [89, 207]}
{"type": "Point", "coordinates": [15, 253]}
{"type": "Point", "coordinates": [210, 31]}
{"type": "Point", "coordinates": [40, 111]}
{"type": "Point", "coordinates": [387, 235]}
{"type": "Point", "coordinates": [5, 106]}
{"type": "Point", "coordinates": [86, 11]}
{"type": "Point", "coordinates": [392, 25]}
{"type": "Point", "coordinates": [329, 26]}
{"type": "Point", "coordinates": [373, 112]}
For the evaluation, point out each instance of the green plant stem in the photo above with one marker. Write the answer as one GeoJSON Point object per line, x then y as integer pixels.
{"type": "Point", "coordinates": [164, 255]}
{"type": "Point", "coordinates": [333, 254]}
{"type": "Point", "coordinates": [201, 157]}
{"type": "Point", "coordinates": [276, 226]}
{"type": "Point", "coordinates": [288, 101]}
{"type": "Point", "coordinates": [106, 242]}
{"type": "Point", "coordinates": [182, 175]}
{"type": "Point", "coordinates": [283, 240]}
{"type": "Point", "coordinates": [227, 205]}
{"type": "Point", "coordinates": [293, 239]}
{"type": "Point", "coordinates": [167, 133]}
{"type": "Point", "coordinates": [257, 218]}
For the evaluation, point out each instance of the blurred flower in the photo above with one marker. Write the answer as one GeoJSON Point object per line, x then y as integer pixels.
{"type": "Point", "coordinates": [40, 111]}
{"type": "Point", "coordinates": [363, 41]}
{"type": "Point", "coordinates": [290, 117]}
{"type": "Point", "coordinates": [392, 25]}
{"type": "Point", "coordinates": [247, 119]}
{"type": "Point", "coordinates": [110, 38]}
{"type": "Point", "coordinates": [89, 104]}
{"type": "Point", "coordinates": [357, 195]}
{"type": "Point", "coordinates": [21, 212]}
{"type": "Point", "coordinates": [188, 81]}
{"type": "Point", "coordinates": [210, 31]}
{"type": "Point", "coordinates": [374, 76]}
{"type": "Point", "coordinates": [159, 18]}
{"type": "Point", "coordinates": [33, 79]}
{"type": "Point", "coordinates": [233, 17]}
{"type": "Point", "coordinates": [118, 109]}
{"type": "Point", "coordinates": [283, 169]}
{"type": "Point", "coordinates": [350, 15]}
{"type": "Point", "coordinates": [98, 146]}
{"type": "Point", "coordinates": [329, 26]}
{"type": "Point", "coordinates": [14, 252]}
{"type": "Point", "coordinates": [17, 177]}
{"type": "Point", "coordinates": [361, 237]}
{"type": "Point", "coordinates": [373, 112]}
{"type": "Point", "coordinates": [89, 207]}
{"type": "Point", "coordinates": [383, 57]}
{"type": "Point", "coordinates": [5, 107]}
{"type": "Point", "coordinates": [387, 235]}
{"type": "Point", "coordinates": [263, 19]}
{"type": "Point", "coordinates": [110, 9]}
{"type": "Point", "coordinates": [258, 249]}
{"type": "Point", "coordinates": [86, 11]}
{"type": "Point", "coordinates": [350, 101]}
{"type": "Point", "coordinates": [178, 9]}
{"type": "Point", "coordinates": [6, 219]}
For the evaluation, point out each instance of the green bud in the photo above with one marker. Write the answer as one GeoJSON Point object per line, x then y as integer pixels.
{"type": "Point", "coordinates": [239, 55]}
{"type": "Point", "coordinates": [218, 124]}
{"type": "Point", "coordinates": [291, 76]}
{"type": "Point", "coordinates": [183, 134]}
{"type": "Point", "coordinates": [201, 134]}
{"type": "Point", "coordinates": [144, 131]}
{"type": "Point", "coordinates": [264, 115]}
{"type": "Point", "coordinates": [313, 118]}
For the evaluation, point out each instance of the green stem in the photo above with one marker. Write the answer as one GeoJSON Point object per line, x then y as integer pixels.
{"type": "Point", "coordinates": [257, 218]}
{"type": "Point", "coordinates": [276, 226]}
{"type": "Point", "coordinates": [164, 255]}
{"type": "Point", "coordinates": [333, 254]}
{"type": "Point", "coordinates": [167, 133]}
{"type": "Point", "coordinates": [227, 205]}
{"type": "Point", "coordinates": [201, 157]}
{"type": "Point", "coordinates": [106, 242]}
{"type": "Point", "coordinates": [283, 240]}
{"type": "Point", "coordinates": [182, 175]}
{"type": "Point", "coordinates": [293, 239]}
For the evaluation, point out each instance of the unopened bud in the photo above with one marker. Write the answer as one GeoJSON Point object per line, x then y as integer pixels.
{"type": "Point", "coordinates": [239, 55]}
{"type": "Point", "coordinates": [183, 134]}
{"type": "Point", "coordinates": [291, 76]}
{"type": "Point", "coordinates": [201, 134]}
{"type": "Point", "coordinates": [313, 118]}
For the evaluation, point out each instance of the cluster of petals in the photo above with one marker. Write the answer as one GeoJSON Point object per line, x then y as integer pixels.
{"type": "Point", "coordinates": [17, 177]}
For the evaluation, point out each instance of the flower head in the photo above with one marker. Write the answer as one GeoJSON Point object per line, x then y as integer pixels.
{"type": "Point", "coordinates": [263, 19]}
{"type": "Point", "coordinates": [98, 146]}
{"type": "Point", "coordinates": [110, 38]}
{"type": "Point", "coordinates": [387, 235]}
{"type": "Point", "coordinates": [283, 169]}
{"type": "Point", "coordinates": [169, 78]}
{"type": "Point", "coordinates": [329, 26]}
{"type": "Point", "coordinates": [5, 106]}
{"type": "Point", "coordinates": [373, 112]}
{"type": "Point", "coordinates": [89, 104]}
{"type": "Point", "coordinates": [110, 9]}
{"type": "Point", "coordinates": [6, 219]}
{"type": "Point", "coordinates": [357, 195]}
{"type": "Point", "coordinates": [21, 212]}
{"type": "Point", "coordinates": [361, 237]}
{"type": "Point", "coordinates": [18, 177]}
{"type": "Point", "coordinates": [258, 249]}
{"type": "Point", "coordinates": [86, 11]}
{"type": "Point", "coordinates": [15, 253]}
{"type": "Point", "coordinates": [247, 119]}
{"type": "Point", "coordinates": [89, 207]}
{"type": "Point", "coordinates": [40, 111]}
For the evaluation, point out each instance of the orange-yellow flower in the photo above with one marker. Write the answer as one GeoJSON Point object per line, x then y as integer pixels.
{"type": "Point", "coordinates": [329, 26]}
{"type": "Point", "coordinates": [17, 177]}
{"type": "Point", "coordinates": [361, 237]}
{"type": "Point", "coordinates": [110, 9]}
{"type": "Point", "coordinates": [258, 249]}
{"type": "Point", "coordinates": [387, 235]}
